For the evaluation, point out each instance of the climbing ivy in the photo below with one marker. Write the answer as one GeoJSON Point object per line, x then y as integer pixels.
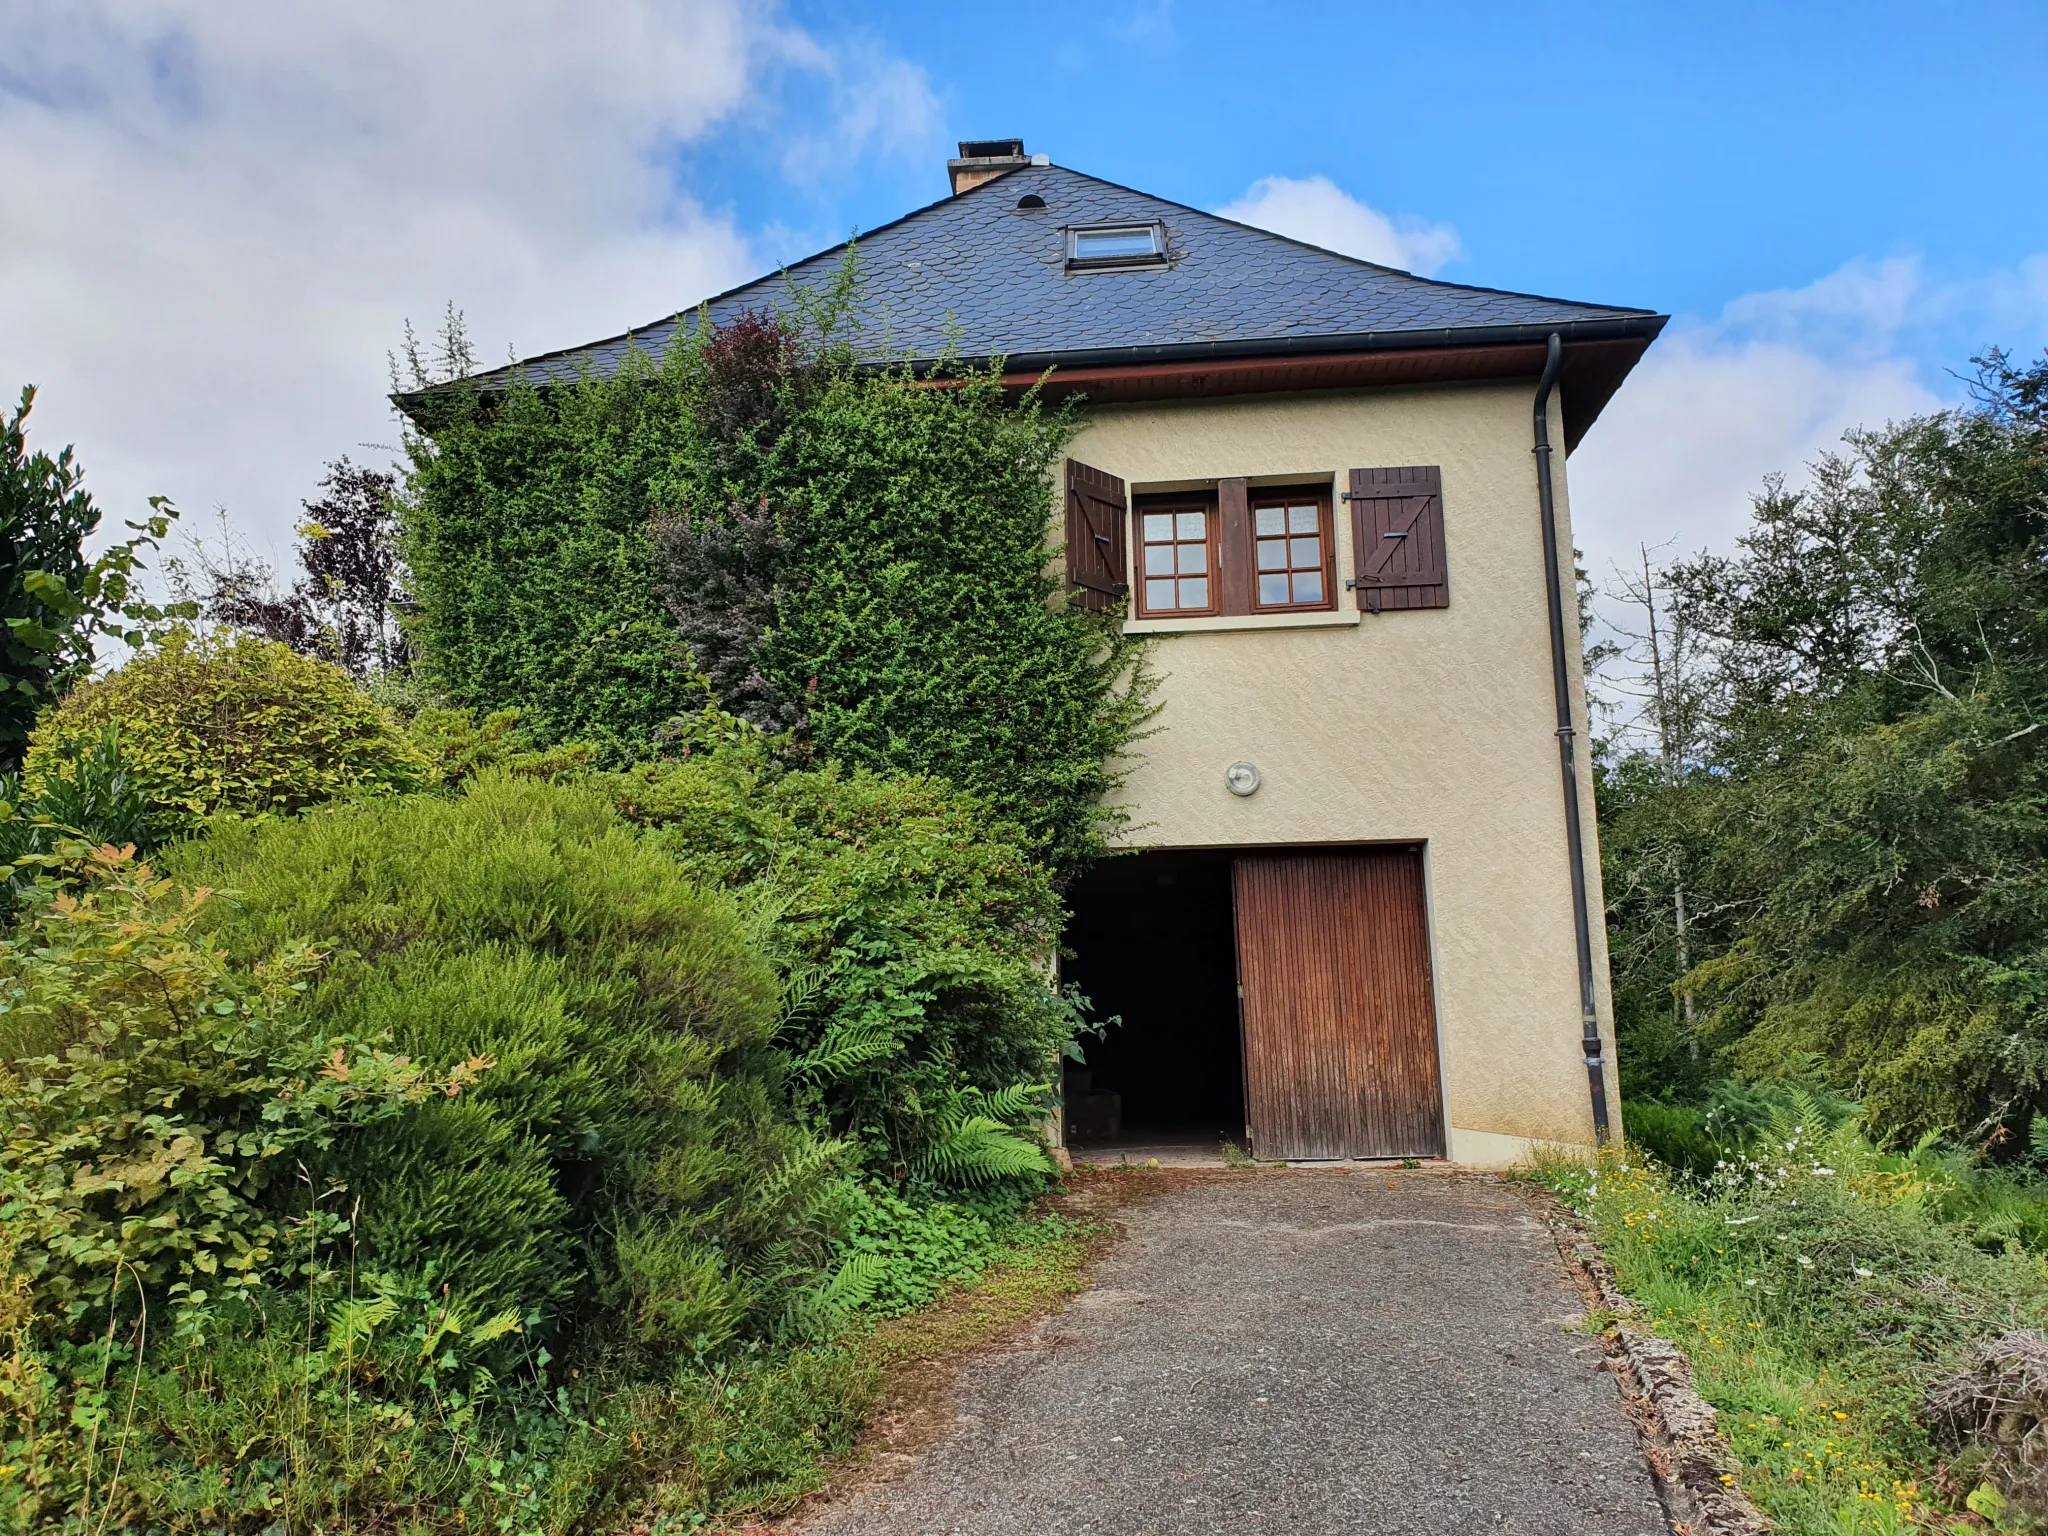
{"type": "Point", "coordinates": [855, 560]}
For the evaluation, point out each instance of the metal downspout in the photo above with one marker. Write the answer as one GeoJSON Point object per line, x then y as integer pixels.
{"type": "Point", "coordinates": [1574, 833]}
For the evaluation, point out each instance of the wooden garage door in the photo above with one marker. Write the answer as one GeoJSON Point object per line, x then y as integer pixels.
{"type": "Point", "coordinates": [1339, 1027]}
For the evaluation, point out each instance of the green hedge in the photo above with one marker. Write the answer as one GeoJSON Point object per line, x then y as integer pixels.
{"type": "Point", "coordinates": [863, 558]}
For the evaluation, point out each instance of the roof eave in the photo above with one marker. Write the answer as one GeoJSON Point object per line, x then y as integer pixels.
{"type": "Point", "coordinates": [1599, 353]}
{"type": "Point", "coordinates": [1643, 327]}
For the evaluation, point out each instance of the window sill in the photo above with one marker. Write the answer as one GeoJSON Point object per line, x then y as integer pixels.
{"type": "Point", "coordinates": [1341, 618]}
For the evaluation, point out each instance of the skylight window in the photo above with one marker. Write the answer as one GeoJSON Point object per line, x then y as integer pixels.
{"type": "Point", "coordinates": [1115, 245]}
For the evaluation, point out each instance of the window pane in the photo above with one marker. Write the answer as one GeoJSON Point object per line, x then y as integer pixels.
{"type": "Point", "coordinates": [1195, 594]}
{"type": "Point", "coordinates": [1272, 520]}
{"type": "Point", "coordinates": [1272, 554]}
{"type": "Point", "coordinates": [1273, 589]}
{"type": "Point", "coordinates": [1158, 594]}
{"type": "Point", "coordinates": [1158, 559]}
{"type": "Point", "coordinates": [1303, 520]}
{"type": "Point", "coordinates": [1303, 552]}
{"type": "Point", "coordinates": [1194, 559]}
{"type": "Point", "coordinates": [1192, 525]}
{"type": "Point", "coordinates": [1308, 586]}
{"type": "Point", "coordinates": [1158, 525]}
{"type": "Point", "coordinates": [1090, 245]}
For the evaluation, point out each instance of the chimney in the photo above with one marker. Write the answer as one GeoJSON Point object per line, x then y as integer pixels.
{"type": "Point", "coordinates": [984, 160]}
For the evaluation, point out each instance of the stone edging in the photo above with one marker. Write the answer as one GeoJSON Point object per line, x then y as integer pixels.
{"type": "Point", "coordinates": [1695, 1471]}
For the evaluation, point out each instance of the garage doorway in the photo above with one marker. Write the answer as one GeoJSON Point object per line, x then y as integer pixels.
{"type": "Point", "coordinates": [1340, 1035]}
{"type": "Point", "coordinates": [1277, 996]}
{"type": "Point", "coordinates": [1151, 942]}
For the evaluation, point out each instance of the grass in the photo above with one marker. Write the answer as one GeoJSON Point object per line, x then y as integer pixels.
{"type": "Point", "coordinates": [1816, 1285]}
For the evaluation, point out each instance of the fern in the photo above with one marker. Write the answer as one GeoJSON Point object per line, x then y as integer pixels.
{"type": "Point", "coordinates": [845, 1050]}
{"type": "Point", "coordinates": [1017, 1103]}
{"type": "Point", "coordinates": [353, 1322]}
{"type": "Point", "coordinates": [800, 988]}
{"type": "Point", "coordinates": [787, 1193]}
{"type": "Point", "coordinates": [976, 1140]}
{"type": "Point", "coordinates": [978, 1150]}
{"type": "Point", "coordinates": [819, 1311]}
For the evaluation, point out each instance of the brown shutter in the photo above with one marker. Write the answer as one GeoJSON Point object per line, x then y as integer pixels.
{"type": "Point", "coordinates": [1096, 520]}
{"type": "Point", "coordinates": [1234, 546]}
{"type": "Point", "coordinates": [1397, 538]}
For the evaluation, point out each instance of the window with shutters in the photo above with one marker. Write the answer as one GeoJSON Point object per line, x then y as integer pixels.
{"type": "Point", "coordinates": [1293, 554]}
{"type": "Point", "coordinates": [1177, 555]}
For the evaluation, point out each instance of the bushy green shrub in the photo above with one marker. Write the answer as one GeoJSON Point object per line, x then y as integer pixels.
{"type": "Point", "coordinates": [88, 802]}
{"type": "Point", "coordinates": [230, 723]}
{"type": "Point", "coordinates": [155, 1098]}
{"type": "Point", "coordinates": [918, 934]}
{"type": "Point", "coordinates": [1675, 1134]}
{"type": "Point", "coordinates": [55, 603]}
{"type": "Point", "coordinates": [629, 1141]}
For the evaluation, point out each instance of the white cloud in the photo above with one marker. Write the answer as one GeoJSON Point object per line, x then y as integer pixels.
{"type": "Point", "coordinates": [1317, 210]}
{"type": "Point", "coordinates": [1716, 406]}
{"type": "Point", "coordinates": [219, 211]}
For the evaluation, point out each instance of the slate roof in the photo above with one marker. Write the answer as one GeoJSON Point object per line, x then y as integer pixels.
{"type": "Point", "coordinates": [975, 276]}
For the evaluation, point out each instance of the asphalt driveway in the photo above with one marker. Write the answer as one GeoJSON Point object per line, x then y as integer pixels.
{"type": "Point", "coordinates": [1292, 1351]}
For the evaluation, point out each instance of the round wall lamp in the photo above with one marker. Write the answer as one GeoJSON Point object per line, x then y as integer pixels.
{"type": "Point", "coordinates": [1241, 779]}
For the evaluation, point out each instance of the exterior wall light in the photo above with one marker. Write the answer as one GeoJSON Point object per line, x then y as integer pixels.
{"type": "Point", "coordinates": [1241, 779]}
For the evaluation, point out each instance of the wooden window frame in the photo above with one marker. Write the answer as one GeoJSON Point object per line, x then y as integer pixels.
{"type": "Point", "coordinates": [1293, 495]}
{"type": "Point", "coordinates": [1174, 501]}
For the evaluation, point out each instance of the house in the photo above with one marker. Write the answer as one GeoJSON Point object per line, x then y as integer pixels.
{"type": "Point", "coordinates": [1361, 917]}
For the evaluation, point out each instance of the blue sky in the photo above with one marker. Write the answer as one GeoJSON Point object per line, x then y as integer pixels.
{"type": "Point", "coordinates": [221, 212]}
{"type": "Point", "coordinates": [1671, 156]}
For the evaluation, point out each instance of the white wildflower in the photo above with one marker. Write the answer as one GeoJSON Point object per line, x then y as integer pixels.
{"type": "Point", "coordinates": [1864, 1274]}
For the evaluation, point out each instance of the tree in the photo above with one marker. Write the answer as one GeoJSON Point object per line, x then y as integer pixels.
{"type": "Point", "coordinates": [347, 604]}
{"type": "Point", "coordinates": [1868, 814]}
{"type": "Point", "coordinates": [1658, 697]}
{"type": "Point", "coordinates": [54, 600]}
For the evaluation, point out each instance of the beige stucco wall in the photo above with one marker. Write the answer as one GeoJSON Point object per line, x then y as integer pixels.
{"type": "Point", "coordinates": [1433, 727]}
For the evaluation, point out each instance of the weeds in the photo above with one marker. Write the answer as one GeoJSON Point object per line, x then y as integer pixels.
{"type": "Point", "coordinates": [1816, 1283]}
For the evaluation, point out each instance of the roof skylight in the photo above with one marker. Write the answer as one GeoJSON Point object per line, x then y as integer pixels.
{"type": "Point", "coordinates": [1098, 246]}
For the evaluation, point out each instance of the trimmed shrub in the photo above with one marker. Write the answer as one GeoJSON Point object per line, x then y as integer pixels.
{"type": "Point", "coordinates": [230, 723]}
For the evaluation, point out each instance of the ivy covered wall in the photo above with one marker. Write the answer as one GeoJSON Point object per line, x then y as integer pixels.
{"type": "Point", "coordinates": [856, 561]}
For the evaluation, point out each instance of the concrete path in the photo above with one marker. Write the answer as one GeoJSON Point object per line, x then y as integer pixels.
{"type": "Point", "coordinates": [1357, 1351]}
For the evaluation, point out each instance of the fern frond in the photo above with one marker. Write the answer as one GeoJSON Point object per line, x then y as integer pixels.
{"type": "Point", "coordinates": [354, 1322]}
{"type": "Point", "coordinates": [845, 1050]}
{"type": "Point", "coordinates": [818, 1311]}
{"type": "Point", "coordinates": [979, 1150]}
{"type": "Point", "coordinates": [496, 1327]}
{"type": "Point", "coordinates": [1017, 1103]}
{"type": "Point", "coordinates": [799, 989]}
{"type": "Point", "coordinates": [793, 1184]}
{"type": "Point", "coordinates": [854, 1285]}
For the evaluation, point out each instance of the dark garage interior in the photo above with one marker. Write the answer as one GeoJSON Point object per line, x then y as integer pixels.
{"type": "Point", "coordinates": [1151, 940]}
